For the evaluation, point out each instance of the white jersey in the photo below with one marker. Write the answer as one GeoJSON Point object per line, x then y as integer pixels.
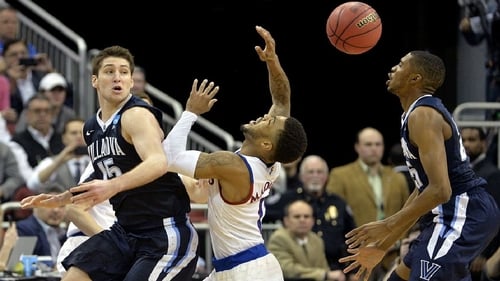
{"type": "Point", "coordinates": [235, 228]}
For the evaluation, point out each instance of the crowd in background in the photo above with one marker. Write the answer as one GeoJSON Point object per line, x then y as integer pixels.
{"type": "Point", "coordinates": [42, 150]}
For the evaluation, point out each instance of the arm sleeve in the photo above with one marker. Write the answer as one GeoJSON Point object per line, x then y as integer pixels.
{"type": "Point", "coordinates": [179, 159]}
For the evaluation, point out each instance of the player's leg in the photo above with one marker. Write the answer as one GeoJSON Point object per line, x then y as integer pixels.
{"type": "Point", "coordinates": [167, 253]}
{"type": "Point", "coordinates": [75, 274]}
{"type": "Point", "coordinates": [106, 255]}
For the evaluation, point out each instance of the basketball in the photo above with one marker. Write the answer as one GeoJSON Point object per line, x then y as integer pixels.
{"type": "Point", "coordinates": [354, 27]}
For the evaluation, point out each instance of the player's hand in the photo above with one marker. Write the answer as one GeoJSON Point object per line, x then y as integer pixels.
{"type": "Point", "coordinates": [46, 200]}
{"type": "Point", "coordinates": [201, 99]}
{"type": "Point", "coordinates": [369, 233]}
{"type": "Point", "coordinates": [365, 259]}
{"type": "Point", "coordinates": [269, 51]}
{"type": "Point", "coordinates": [91, 193]}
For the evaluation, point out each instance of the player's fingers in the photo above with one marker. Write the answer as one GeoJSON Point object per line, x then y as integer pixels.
{"type": "Point", "coordinates": [367, 274]}
{"type": "Point", "coordinates": [352, 266]}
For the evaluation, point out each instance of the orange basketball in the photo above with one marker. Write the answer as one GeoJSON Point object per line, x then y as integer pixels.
{"type": "Point", "coordinates": [354, 27]}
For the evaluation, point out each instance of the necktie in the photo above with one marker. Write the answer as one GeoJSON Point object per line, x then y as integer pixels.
{"type": "Point", "coordinates": [78, 171]}
{"type": "Point", "coordinates": [55, 244]}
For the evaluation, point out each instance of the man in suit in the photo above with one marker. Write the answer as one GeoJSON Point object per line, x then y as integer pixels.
{"type": "Point", "coordinates": [300, 251]}
{"type": "Point", "coordinates": [372, 190]}
{"type": "Point", "coordinates": [45, 224]}
{"type": "Point", "coordinates": [66, 167]}
{"type": "Point", "coordinates": [40, 139]}
{"type": "Point", "coordinates": [333, 216]}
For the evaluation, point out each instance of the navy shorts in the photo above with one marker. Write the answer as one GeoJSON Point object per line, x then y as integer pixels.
{"type": "Point", "coordinates": [461, 230]}
{"type": "Point", "coordinates": [167, 253]}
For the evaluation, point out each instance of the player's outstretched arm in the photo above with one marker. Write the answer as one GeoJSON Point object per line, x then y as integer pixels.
{"type": "Point", "coordinates": [278, 80]}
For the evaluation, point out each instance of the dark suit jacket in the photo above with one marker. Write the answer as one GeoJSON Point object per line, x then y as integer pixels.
{"type": "Point", "coordinates": [30, 227]}
{"type": "Point", "coordinates": [350, 182]}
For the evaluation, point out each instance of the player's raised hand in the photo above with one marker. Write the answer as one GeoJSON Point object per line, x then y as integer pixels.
{"type": "Point", "coordinates": [269, 51]}
{"type": "Point", "coordinates": [201, 99]}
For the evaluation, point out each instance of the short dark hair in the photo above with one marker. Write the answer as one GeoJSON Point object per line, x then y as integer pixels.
{"type": "Point", "coordinates": [292, 142]}
{"type": "Point", "coordinates": [431, 67]}
{"type": "Point", "coordinates": [113, 51]}
{"type": "Point", "coordinates": [480, 131]}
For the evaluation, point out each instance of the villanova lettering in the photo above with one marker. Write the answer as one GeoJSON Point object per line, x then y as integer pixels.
{"type": "Point", "coordinates": [259, 193]}
{"type": "Point", "coordinates": [105, 147]}
{"type": "Point", "coordinates": [427, 269]}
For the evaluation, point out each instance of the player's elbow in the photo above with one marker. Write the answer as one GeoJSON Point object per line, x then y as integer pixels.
{"type": "Point", "coordinates": [442, 195]}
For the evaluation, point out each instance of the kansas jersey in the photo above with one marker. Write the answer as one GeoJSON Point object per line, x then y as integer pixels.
{"type": "Point", "coordinates": [111, 155]}
{"type": "Point", "coordinates": [237, 227]}
{"type": "Point", "coordinates": [455, 232]}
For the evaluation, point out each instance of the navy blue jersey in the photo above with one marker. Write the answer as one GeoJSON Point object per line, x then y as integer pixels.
{"type": "Point", "coordinates": [462, 177]}
{"type": "Point", "coordinates": [455, 232]}
{"type": "Point", "coordinates": [111, 155]}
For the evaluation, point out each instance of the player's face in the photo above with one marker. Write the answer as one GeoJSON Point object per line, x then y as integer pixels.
{"type": "Point", "coordinates": [399, 75]}
{"type": "Point", "coordinates": [264, 126]}
{"type": "Point", "coordinates": [114, 79]}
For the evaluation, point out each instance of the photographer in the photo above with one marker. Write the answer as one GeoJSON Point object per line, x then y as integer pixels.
{"type": "Point", "coordinates": [66, 167]}
{"type": "Point", "coordinates": [481, 23]}
{"type": "Point", "coordinates": [24, 78]}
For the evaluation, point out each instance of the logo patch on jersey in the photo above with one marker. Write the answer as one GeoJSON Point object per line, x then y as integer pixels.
{"type": "Point", "coordinates": [89, 132]}
{"type": "Point", "coordinates": [428, 269]}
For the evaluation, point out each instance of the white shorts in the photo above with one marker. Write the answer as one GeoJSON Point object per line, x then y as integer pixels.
{"type": "Point", "coordinates": [69, 245]}
{"type": "Point", "coordinates": [266, 268]}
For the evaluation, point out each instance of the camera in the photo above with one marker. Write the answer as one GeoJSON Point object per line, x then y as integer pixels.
{"type": "Point", "coordinates": [80, 150]}
{"type": "Point", "coordinates": [28, 61]}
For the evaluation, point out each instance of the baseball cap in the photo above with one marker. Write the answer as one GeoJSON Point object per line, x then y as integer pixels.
{"type": "Point", "coordinates": [52, 80]}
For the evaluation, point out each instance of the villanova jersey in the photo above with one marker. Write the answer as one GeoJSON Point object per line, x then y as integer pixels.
{"type": "Point", "coordinates": [111, 155]}
{"type": "Point", "coordinates": [455, 232]}
{"type": "Point", "coordinates": [462, 177]}
{"type": "Point", "coordinates": [237, 227]}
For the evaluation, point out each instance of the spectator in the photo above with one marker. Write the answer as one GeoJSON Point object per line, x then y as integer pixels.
{"type": "Point", "coordinates": [145, 97]}
{"type": "Point", "coordinates": [7, 112]}
{"type": "Point", "coordinates": [39, 139]}
{"type": "Point", "coordinates": [474, 142]}
{"type": "Point", "coordinates": [10, 177]}
{"type": "Point", "coordinates": [54, 86]}
{"type": "Point", "coordinates": [481, 23]}
{"type": "Point", "coordinates": [397, 160]}
{"type": "Point", "coordinates": [66, 167]}
{"type": "Point", "coordinates": [45, 223]}
{"type": "Point", "coordinates": [9, 241]}
{"type": "Point", "coordinates": [373, 190]}
{"type": "Point", "coordinates": [24, 79]}
{"type": "Point", "coordinates": [300, 251]}
{"type": "Point", "coordinates": [139, 77]}
{"type": "Point", "coordinates": [9, 28]}
{"type": "Point", "coordinates": [333, 217]}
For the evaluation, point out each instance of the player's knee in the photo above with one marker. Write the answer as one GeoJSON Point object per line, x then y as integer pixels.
{"type": "Point", "coordinates": [395, 277]}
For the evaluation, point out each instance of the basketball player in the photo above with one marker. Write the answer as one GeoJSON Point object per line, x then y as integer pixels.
{"type": "Point", "coordinates": [152, 238]}
{"type": "Point", "coordinates": [457, 215]}
{"type": "Point", "coordinates": [239, 181]}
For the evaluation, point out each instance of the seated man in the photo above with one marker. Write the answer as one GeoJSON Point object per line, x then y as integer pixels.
{"type": "Point", "coordinates": [300, 251]}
